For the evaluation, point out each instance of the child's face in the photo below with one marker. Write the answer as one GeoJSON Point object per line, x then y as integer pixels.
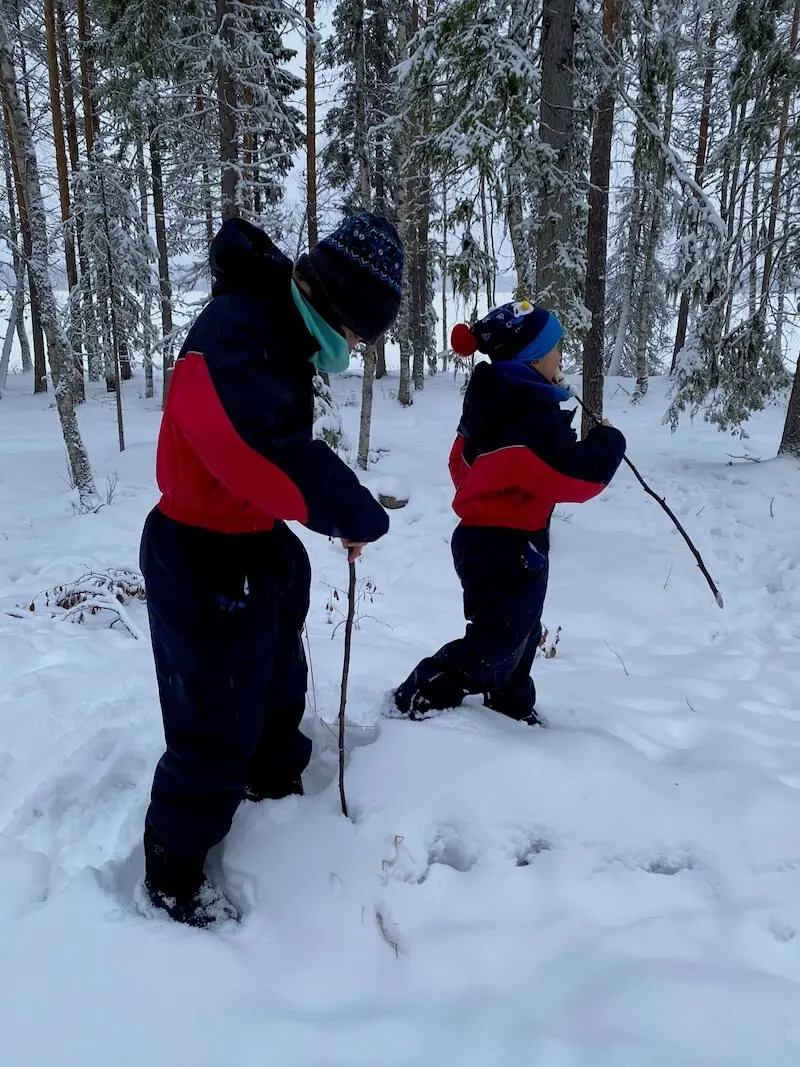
{"type": "Point", "coordinates": [550, 365]}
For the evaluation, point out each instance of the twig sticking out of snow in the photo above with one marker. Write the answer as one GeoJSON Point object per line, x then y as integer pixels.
{"type": "Point", "coordinates": [622, 661]}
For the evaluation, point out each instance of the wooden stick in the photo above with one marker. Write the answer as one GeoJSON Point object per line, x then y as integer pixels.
{"type": "Point", "coordinates": [662, 502]}
{"type": "Point", "coordinates": [348, 641]}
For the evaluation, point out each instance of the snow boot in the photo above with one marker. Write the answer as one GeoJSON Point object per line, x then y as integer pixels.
{"type": "Point", "coordinates": [428, 690]}
{"type": "Point", "coordinates": [515, 704]}
{"type": "Point", "coordinates": [178, 886]}
{"type": "Point", "coordinates": [256, 791]}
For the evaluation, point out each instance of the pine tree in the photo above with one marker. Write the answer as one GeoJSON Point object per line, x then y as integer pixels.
{"type": "Point", "coordinates": [597, 225]}
{"type": "Point", "coordinates": [58, 344]}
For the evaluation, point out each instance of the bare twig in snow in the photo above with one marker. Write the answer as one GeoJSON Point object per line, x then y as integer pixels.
{"type": "Point", "coordinates": [380, 922]}
{"type": "Point", "coordinates": [622, 661]}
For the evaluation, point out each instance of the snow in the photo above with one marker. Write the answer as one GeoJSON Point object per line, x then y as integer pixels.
{"type": "Point", "coordinates": [618, 890]}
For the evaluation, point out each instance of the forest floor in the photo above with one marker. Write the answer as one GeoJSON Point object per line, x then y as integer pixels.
{"type": "Point", "coordinates": [621, 889]}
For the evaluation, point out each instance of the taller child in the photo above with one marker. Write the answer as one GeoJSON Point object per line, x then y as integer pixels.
{"type": "Point", "coordinates": [228, 585]}
{"type": "Point", "coordinates": [515, 457]}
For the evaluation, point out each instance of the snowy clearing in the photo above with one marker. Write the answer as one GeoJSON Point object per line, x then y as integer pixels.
{"type": "Point", "coordinates": [619, 890]}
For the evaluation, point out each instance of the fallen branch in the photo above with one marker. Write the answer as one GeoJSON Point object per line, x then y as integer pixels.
{"type": "Point", "coordinates": [348, 641]}
{"type": "Point", "coordinates": [665, 506]}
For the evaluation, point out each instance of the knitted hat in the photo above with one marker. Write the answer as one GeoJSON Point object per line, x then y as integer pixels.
{"type": "Point", "coordinates": [515, 331]}
{"type": "Point", "coordinates": [356, 275]}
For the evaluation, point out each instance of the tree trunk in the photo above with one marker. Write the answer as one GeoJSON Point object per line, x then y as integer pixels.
{"type": "Point", "coordinates": [366, 407]}
{"type": "Point", "coordinates": [597, 231]}
{"type": "Point", "coordinates": [86, 309]}
{"type": "Point", "coordinates": [62, 171]}
{"type": "Point", "coordinates": [780, 155]}
{"type": "Point", "coordinates": [381, 207]}
{"type": "Point", "coordinates": [489, 280]}
{"type": "Point", "coordinates": [445, 331]}
{"type": "Point", "coordinates": [17, 260]}
{"type": "Point", "coordinates": [631, 259]}
{"type": "Point", "coordinates": [311, 125]}
{"type": "Point", "coordinates": [91, 116]}
{"type": "Point", "coordinates": [553, 287]}
{"type": "Point", "coordinates": [144, 211]}
{"type": "Point", "coordinates": [58, 344]}
{"type": "Point", "coordinates": [655, 225]}
{"type": "Point", "coordinates": [518, 232]}
{"type": "Point", "coordinates": [39, 354]}
{"type": "Point", "coordinates": [380, 358]}
{"type": "Point", "coordinates": [208, 205]}
{"type": "Point", "coordinates": [16, 304]}
{"type": "Point", "coordinates": [115, 338]}
{"type": "Point", "coordinates": [228, 141]}
{"type": "Point", "coordinates": [165, 285]}
{"type": "Point", "coordinates": [790, 441]}
{"type": "Point", "coordinates": [755, 219]}
{"type": "Point", "coordinates": [699, 171]}
{"type": "Point", "coordinates": [67, 87]}
{"type": "Point", "coordinates": [91, 127]}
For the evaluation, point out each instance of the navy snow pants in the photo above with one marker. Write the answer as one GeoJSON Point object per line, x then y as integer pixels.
{"type": "Point", "coordinates": [226, 615]}
{"type": "Point", "coordinates": [504, 577]}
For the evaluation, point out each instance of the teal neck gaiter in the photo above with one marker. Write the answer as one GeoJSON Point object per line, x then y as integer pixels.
{"type": "Point", "coordinates": [334, 354]}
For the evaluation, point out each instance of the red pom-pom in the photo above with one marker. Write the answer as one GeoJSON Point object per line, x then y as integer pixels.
{"type": "Point", "coordinates": [463, 341]}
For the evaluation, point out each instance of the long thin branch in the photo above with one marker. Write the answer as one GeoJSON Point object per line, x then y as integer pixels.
{"type": "Point", "coordinates": [348, 641]}
{"type": "Point", "coordinates": [663, 504]}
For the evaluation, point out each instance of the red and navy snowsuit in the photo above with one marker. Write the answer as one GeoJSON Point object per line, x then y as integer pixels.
{"type": "Point", "coordinates": [227, 582]}
{"type": "Point", "coordinates": [515, 457]}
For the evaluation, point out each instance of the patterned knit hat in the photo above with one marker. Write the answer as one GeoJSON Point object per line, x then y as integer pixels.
{"type": "Point", "coordinates": [515, 331]}
{"type": "Point", "coordinates": [356, 275]}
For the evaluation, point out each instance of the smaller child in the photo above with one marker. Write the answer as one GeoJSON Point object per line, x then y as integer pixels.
{"type": "Point", "coordinates": [515, 457]}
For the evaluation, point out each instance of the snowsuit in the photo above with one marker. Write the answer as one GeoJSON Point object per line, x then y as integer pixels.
{"type": "Point", "coordinates": [515, 457]}
{"type": "Point", "coordinates": [227, 582]}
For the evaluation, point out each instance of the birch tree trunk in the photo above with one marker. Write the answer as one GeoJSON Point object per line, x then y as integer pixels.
{"type": "Point", "coordinates": [16, 304]}
{"type": "Point", "coordinates": [365, 424]}
{"type": "Point", "coordinates": [597, 231]}
{"type": "Point", "coordinates": [57, 341]}
{"type": "Point", "coordinates": [39, 355]}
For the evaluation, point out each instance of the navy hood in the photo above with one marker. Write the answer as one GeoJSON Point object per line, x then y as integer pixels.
{"type": "Point", "coordinates": [243, 258]}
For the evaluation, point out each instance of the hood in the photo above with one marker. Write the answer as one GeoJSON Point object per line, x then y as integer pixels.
{"type": "Point", "coordinates": [507, 393]}
{"type": "Point", "coordinates": [243, 257]}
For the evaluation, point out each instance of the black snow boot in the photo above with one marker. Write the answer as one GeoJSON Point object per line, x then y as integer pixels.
{"type": "Point", "coordinates": [256, 791]}
{"type": "Point", "coordinates": [428, 688]}
{"type": "Point", "coordinates": [178, 886]}
{"type": "Point", "coordinates": [514, 705]}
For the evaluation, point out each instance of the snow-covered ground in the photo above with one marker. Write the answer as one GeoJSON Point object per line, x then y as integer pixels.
{"type": "Point", "coordinates": [619, 890]}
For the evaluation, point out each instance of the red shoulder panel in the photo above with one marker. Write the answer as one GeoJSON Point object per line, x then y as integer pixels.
{"type": "Point", "coordinates": [198, 412]}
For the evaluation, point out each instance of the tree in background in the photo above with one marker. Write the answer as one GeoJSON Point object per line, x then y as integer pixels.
{"type": "Point", "coordinates": [59, 350]}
